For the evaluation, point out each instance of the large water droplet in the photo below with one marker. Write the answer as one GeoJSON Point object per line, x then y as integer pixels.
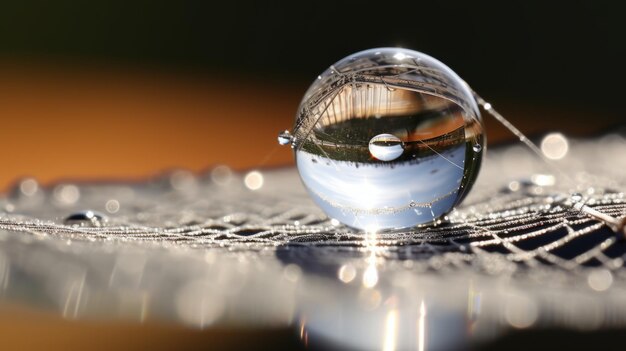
{"type": "Point", "coordinates": [386, 147]}
{"type": "Point", "coordinates": [86, 219]}
{"type": "Point", "coordinates": [394, 143]}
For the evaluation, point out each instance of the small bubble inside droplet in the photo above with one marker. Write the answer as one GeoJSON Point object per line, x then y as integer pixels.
{"type": "Point", "coordinates": [86, 219]}
{"type": "Point", "coordinates": [477, 148]}
{"type": "Point", "coordinates": [284, 137]}
{"type": "Point", "coordinates": [386, 147]}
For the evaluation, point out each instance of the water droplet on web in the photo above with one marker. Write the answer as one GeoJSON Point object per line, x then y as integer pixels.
{"type": "Point", "coordinates": [284, 137]}
{"type": "Point", "coordinates": [386, 147]}
{"type": "Point", "coordinates": [576, 197]}
{"type": "Point", "coordinates": [384, 143]}
{"type": "Point", "coordinates": [86, 219]}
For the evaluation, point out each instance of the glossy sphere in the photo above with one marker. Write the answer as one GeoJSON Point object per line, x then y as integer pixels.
{"type": "Point", "coordinates": [388, 139]}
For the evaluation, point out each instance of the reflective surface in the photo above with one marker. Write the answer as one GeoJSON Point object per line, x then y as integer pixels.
{"type": "Point", "coordinates": [250, 250]}
{"type": "Point", "coordinates": [387, 139]}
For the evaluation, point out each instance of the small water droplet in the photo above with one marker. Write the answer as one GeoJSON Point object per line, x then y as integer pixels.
{"type": "Point", "coordinates": [284, 137]}
{"type": "Point", "coordinates": [86, 219]}
{"type": "Point", "coordinates": [386, 147]}
{"type": "Point", "coordinates": [477, 148]}
{"type": "Point", "coordinates": [576, 197]}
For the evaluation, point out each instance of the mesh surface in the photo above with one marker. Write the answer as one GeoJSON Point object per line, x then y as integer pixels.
{"type": "Point", "coordinates": [512, 255]}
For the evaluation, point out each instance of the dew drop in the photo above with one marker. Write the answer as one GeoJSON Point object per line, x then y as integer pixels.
{"type": "Point", "coordinates": [576, 197]}
{"type": "Point", "coordinates": [386, 147]}
{"type": "Point", "coordinates": [284, 137]}
{"type": "Point", "coordinates": [383, 134]}
{"type": "Point", "coordinates": [86, 219]}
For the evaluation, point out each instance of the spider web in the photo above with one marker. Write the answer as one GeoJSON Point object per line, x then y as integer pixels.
{"type": "Point", "coordinates": [513, 240]}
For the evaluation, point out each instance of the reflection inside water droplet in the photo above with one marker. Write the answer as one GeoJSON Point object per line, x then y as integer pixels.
{"type": "Point", "coordinates": [396, 145]}
{"type": "Point", "coordinates": [386, 147]}
{"type": "Point", "coordinates": [86, 219]}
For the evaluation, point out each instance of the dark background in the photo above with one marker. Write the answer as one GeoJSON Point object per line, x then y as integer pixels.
{"type": "Point", "coordinates": [558, 52]}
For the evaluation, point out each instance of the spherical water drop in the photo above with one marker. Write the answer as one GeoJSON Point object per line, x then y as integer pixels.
{"type": "Point", "coordinates": [86, 219]}
{"type": "Point", "coordinates": [284, 137]}
{"type": "Point", "coordinates": [386, 147]}
{"type": "Point", "coordinates": [390, 130]}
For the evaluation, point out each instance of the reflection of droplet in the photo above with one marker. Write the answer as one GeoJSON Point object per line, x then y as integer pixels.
{"type": "Point", "coordinates": [386, 147]}
{"type": "Point", "coordinates": [477, 148]}
{"type": "Point", "coordinates": [85, 219]}
{"type": "Point", "coordinates": [284, 137]}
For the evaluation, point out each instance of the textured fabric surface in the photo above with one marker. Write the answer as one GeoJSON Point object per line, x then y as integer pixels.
{"type": "Point", "coordinates": [207, 250]}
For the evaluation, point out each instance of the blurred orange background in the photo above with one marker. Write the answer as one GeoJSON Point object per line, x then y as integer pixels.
{"type": "Point", "coordinates": [112, 122]}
